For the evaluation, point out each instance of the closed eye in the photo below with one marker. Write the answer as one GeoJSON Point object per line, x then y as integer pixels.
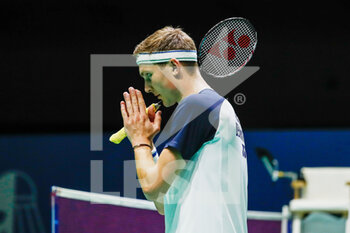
{"type": "Point", "coordinates": [147, 76]}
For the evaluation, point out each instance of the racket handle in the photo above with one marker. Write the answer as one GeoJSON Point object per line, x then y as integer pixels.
{"type": "Point", "coordinates": [118, 136]}
{"type": "Point", "coordinates": [121, 134]}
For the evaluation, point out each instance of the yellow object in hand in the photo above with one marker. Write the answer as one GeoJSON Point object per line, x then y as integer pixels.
{"type": "Point", "coordinates": [121, 134]}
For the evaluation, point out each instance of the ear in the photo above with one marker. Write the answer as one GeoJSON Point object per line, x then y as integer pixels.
{"type": "Point", "coordinates": [175, 67]}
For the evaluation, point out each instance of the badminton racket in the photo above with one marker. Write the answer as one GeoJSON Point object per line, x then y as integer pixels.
{"type": "Point", "coordinates": [227, 47]}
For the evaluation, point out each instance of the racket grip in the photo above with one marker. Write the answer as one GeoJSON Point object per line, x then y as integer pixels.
{"type": "Point", "coordinates": [121, 134]}
{"type": "Point", "coordinates": [118, 136]}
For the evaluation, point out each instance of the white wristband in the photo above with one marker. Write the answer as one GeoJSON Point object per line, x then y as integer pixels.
{"type": "Point", "coordinates": [155, 154]}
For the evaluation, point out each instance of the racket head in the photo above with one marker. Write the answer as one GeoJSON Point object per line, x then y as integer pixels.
{"type": "Point", "coordinates": [227, 47]}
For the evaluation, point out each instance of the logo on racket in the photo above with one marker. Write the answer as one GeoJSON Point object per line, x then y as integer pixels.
{"type": "Point", "coordinates": [230, 43]}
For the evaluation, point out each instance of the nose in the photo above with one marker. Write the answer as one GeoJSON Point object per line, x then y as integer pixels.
{"type": "Point", "coordinates": [147, 88]}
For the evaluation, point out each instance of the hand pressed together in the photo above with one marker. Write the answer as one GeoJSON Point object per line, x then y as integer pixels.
{"type": "Point", "coordinates": [141, 127]}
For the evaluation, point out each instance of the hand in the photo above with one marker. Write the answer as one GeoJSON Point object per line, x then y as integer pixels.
{"type": "Point", "coordinates": [139, 126]}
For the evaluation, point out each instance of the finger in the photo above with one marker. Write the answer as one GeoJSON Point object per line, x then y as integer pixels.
{"type": "Point", "coordinates": [134, 103]}
{"type": "Point", "coordinates": [123, 110]}
{"type": "Point", "coordinates": [158, 120]}
{"type": "Point", "coordinates": [128, 103]}
{"type": "Point", "coordinates": [141, 101]}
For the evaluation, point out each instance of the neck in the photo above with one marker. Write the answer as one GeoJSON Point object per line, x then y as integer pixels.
{"type": "Point", "coordinates": [193, 85]}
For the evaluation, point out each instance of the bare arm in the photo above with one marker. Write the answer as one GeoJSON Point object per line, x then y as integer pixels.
{"type": "Point", "coordinates": [160, 207]}
{"type": "Point", "coordinates": [155, 178]}
{"type": "Point", "coordinates": [159, 204]}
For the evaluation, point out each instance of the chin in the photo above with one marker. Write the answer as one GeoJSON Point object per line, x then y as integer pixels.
{"type": "Point", "coordinates": [167, 104]}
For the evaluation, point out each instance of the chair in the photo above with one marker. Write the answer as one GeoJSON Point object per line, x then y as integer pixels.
{"type": "Point", "coordinates": [324, 191]}
{"type": "Point", "coordinates": [347, 227]}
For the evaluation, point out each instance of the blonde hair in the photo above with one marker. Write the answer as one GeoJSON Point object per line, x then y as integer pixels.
{"type": "Point", "coordinates": [167, 38]}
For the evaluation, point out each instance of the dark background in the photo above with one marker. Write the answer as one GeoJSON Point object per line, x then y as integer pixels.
{"type": "Point", "coordinates": [302, 51]}
{"type": "Point", "coordinates": [297, 103]}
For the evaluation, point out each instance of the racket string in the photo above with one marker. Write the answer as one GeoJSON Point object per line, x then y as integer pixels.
{"type": "Point", "coordinates": [227, 47]}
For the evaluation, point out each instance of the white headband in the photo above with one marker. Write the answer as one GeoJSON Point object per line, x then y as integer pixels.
{"type": "Point", "coordinates": [165, 56]}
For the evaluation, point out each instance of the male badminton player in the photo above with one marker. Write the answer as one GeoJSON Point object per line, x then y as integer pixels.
{"type": "Point", "coordinates": [199, 181]}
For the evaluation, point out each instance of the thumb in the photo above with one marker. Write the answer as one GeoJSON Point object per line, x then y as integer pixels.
{"type": "Point", "coordinates": [158, 119]}
{"type": "Point", "coordinates": [151, 113]}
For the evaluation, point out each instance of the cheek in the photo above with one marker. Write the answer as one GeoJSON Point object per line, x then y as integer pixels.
{"type": "Point", "coordinates": [169, 85]}
{"type": "Point", "coordinates": [163, 84]}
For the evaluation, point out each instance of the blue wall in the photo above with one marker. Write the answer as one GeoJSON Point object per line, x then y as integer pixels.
{"type": "Point", "coordinates": [293, 150]}
{"type": "Point", "coordinates": [64, 160]}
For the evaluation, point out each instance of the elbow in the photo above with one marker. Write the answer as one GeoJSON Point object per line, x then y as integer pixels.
{"type": "Point", "coordinates": [150, 193]}
{"type": "Point", "coordinates": [152, 190]}
{"type": "Point", "coordinates": [155, 192]}
{"type": "Point", "coordinates": [160, 211]}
